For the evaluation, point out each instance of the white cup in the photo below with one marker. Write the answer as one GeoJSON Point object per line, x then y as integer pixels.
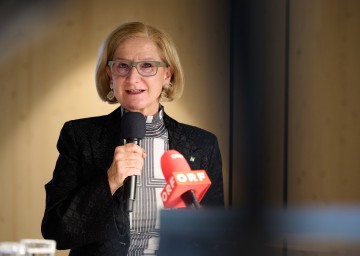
{"type": "Point", "coordinates": [39, 247]}
{"type": "Point", "coordinates": [11, 249]}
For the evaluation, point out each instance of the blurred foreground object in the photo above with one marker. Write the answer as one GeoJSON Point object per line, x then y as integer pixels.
{"type": "Point", "coordinates": [28, 247]}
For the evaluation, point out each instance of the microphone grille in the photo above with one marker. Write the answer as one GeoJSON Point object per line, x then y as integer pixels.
{"type": "Point", "coordinates": [133, 125]}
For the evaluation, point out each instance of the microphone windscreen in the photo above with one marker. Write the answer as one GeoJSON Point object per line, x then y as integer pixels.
{"type": "Point", "coordinates": [133, 125]}
{"type": "Point", "coordinates": [173, 161]}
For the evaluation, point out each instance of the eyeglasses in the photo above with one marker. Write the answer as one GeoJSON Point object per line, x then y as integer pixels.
{"type": "Point", "coordinates": [144, 68]}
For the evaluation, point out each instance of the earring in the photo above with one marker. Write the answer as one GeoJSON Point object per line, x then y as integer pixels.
{"type": "Point", "coordinates": [110, 95]}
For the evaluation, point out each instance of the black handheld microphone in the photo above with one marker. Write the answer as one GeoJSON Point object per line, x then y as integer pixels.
{"type": "Point", "coordinates": [133, 127]}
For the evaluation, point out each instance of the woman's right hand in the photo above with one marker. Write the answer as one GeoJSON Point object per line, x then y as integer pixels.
{"type": "Point", "coordinates": [128, 160]}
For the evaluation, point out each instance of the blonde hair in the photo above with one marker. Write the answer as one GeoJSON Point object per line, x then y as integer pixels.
{"type": "Point", "coordinates": [167, 52]}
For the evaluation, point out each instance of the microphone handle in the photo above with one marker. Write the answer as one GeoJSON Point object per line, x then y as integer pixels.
{"type": "Point", "coordinates": [190, 199]}
{"type": "Point", "coordinates": [130, 192]}
{"type": "Point", "coordinates": [130, 184]}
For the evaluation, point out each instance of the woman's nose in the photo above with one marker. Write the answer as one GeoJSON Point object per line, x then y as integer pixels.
{"type": "Point", "coordinates": [133, 75]}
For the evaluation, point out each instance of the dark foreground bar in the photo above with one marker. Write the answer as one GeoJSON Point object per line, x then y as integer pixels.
{"type": "Point", "coordinates": [310, 231]}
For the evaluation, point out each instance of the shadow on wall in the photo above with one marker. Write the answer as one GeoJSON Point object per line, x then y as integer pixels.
{"type": "Point", "coordinates": [31, 64]}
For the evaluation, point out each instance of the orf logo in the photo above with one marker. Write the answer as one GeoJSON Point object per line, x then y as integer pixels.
{"type": "Point", "coordinates": [194, 176]}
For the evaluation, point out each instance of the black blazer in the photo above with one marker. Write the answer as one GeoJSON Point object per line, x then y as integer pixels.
{"type": "Point", "coordinates": [81, 214]}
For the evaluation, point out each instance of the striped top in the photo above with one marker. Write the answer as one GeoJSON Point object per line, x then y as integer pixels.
{"type": "Point", "coordinates": [145, 218]}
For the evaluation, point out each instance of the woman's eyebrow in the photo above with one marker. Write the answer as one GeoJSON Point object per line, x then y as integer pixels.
{"type": "Point", "coordinates": [143, 59]}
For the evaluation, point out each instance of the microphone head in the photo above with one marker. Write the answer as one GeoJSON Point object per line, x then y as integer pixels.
{"type": "Point", "coordinates": [173, 161]}
{"type": "Point", "coordinates": [133, 125]}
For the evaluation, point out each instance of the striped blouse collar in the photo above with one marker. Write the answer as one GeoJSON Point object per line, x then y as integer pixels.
{"type": "Point", "coordinates": [150, 119]}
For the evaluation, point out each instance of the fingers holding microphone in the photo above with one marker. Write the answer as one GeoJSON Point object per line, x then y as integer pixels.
{"type": "Point", "coordinates": [128, 160]}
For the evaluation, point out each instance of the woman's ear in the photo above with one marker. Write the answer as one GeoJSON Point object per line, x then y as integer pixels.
{"type": "Point", "coordinates": [108, 72]}
{"type": "Point", "coordinates": [167, 76]}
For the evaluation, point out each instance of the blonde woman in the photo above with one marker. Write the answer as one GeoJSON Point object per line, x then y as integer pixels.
{"type": "Point", "coordinates": [138, 68]}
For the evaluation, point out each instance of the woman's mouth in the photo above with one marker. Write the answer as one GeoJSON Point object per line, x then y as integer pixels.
{"type": "Point", "coordinates": [133, 92]}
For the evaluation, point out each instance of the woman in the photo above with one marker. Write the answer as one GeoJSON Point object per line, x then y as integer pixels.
{"type": "Point", "coordinates": [138, 67]}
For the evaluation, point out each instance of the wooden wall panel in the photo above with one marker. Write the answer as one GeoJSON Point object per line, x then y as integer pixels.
{"type": "Point", "coordinates": [324, 120]}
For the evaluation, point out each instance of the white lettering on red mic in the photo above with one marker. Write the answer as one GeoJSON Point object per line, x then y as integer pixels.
{"type": "Point", "coordinates": [181, 177]}
{"type": "Point", "coordinates": [164, 195]}
{"type": "Point", "coordinates": [168, 189]}
{"type": "Point", "coordinates": [201, 176]}
{"type": "Point", "coordinates": [172, 181]}
{"type": "Point", "coordinates": [190, 177]}
{"type": "Point", "coordinates": [176, 156]}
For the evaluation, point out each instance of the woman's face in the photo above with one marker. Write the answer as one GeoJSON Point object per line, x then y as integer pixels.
{"type": "Point", "coordinates": [135, 92]}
